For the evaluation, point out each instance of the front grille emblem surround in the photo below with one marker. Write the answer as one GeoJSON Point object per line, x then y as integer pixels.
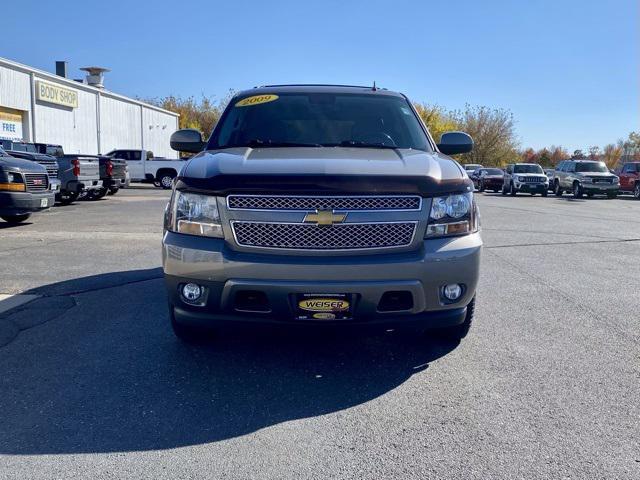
{"type": "Point", "coordinates": [325, 217]}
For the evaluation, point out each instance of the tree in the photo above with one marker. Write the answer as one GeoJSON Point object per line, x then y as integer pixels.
{"type": "Point", "coordinates": [493, 132]}
{"type": "Point", "coordinates": [200, 114]}
{"type": "Point", "coordinates": [578, 155]}
{"type": "Point", "coordinates": [544, 157]}
{"type": "Point", "coordinates": [612, 154]}
{"type": "Point", "coordinates": [436, 119]}
{"type": "Point", "coordinates": [558, 154]}
{"type": "Point", "coordinates": [594, 153]}
{"type": "Point", "coordinates": [529, 156]}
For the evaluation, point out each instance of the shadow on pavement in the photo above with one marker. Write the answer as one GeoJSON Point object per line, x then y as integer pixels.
{"type": "Point", "coordinates": [107, 375]}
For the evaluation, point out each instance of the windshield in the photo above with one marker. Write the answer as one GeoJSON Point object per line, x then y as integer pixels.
{"type": "Point", "coordinates": [527, 168]}
{"type": "Point", "coordinates": [491, 171]}
{"type": "Point", "coordinates": [595, 167]}
{"type": "Point", "coordinates": [3, 153]}
{"type": "Point", "coordinates": [24, 147]}
{"type": "Point", "coordinates": [319, 120]}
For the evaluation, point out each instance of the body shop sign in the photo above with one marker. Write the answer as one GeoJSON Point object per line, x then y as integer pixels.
{"type": "Point", "coordinates": [48, 92]}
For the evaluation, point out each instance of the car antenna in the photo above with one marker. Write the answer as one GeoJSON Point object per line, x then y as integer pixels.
{"type": "Point", "coordinates": [374, 88]}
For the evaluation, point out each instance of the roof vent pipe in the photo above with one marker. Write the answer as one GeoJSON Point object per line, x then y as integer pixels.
{"type": "Point", "coordinates": [95, 76]}
{"type": "Point", "coordinates": [61, 69]}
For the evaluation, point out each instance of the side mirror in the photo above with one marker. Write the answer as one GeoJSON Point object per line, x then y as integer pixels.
{"type": "Point", "coordinates": [187, 140]}
{"type": "Point", "coordinates": [455, 142]}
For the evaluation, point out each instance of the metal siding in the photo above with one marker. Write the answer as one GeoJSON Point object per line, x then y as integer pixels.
{"type": "Point", "coordinates": [157, 128]}
{"type": "Point", "coordinates": [74, 129]}
{"type": "Point", "coordinates": [120, 124]}
{"type": "Point", "coordinates": [15, 89]}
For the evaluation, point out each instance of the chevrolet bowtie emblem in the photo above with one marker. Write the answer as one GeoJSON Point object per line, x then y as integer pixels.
{"type": "Point", "coordinates": [325, 217]}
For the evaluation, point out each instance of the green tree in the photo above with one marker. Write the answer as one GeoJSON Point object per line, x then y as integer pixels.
{"type": "Point", "coordinates": [493, 132]}
{"type": "Point", "coordinates": [437, 119]}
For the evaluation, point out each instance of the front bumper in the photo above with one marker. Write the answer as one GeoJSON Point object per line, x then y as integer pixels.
{"type": "Point", "coordinates": [531, 187]}
{"type": "Point", "coordinates": [600, 187]}
{"type": "Point", "coordinates": [114, 183]}
{"type": "Point", "coordinates": [224, 272]}
{"type": "Point", "coordinates": [21, 203]}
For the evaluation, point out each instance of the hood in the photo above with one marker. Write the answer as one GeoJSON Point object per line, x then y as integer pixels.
{"type": "Point", "coordinates": [323, 169]}
{"type": "Point", "coordinates": [17, 164]}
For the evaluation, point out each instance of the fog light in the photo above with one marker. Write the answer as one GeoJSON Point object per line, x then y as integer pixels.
{"type": "Point", "coordinates": [452, 291]}
{"type": "Point", "coordinates": [191, 292]}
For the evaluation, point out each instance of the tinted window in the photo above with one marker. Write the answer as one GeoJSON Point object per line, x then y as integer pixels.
{"type": "Point", "coordinates": [135, 155]}
{"type": "Point", "coordinates": [325, 119]}
{"type": "Point", "coordinates": [491, 171]}
{"type": "Point", "coordinates": [528, 168]}
{"type": "Point", "coordinates": [595, 167]}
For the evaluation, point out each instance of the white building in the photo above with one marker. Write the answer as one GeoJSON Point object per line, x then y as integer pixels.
{"type": "Point", "coordinates": [38, 106]}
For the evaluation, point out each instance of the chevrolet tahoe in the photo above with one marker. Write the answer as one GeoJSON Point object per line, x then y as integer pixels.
{"type": "Point", "coordinates": [321, 205]}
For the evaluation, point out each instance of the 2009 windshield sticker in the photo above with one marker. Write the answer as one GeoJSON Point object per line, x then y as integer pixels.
{"type": "Point", "coordinates": [256, 100]}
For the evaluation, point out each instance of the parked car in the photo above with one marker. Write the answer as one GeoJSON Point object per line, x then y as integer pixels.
{"type": "Point", "coordinates": [471, 167]}
{"type": "Point", "coordinates": [24, 188]}
{"type": "Point", "coordinates": [144, 167]}
{"type": "Point", "coordinates": [488, 178]}
{"type": "Point", "coordinates": [268, 225]}
{"type": "Point", "coordinates": [585, 176]}
{"type": "Point", "coordinates": [26, 151]}
{"type": "Point", "coordinates": [525, 178]}
{"type": "Point", "coordinates": [629, 175]}
{"type": "Point", "coordinates": [112, 171]}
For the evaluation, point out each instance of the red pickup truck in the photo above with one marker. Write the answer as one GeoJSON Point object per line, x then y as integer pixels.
{"type": "Point", "coordinates": [629, 175]}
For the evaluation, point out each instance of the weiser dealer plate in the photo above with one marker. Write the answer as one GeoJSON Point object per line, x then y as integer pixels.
{"type": "Point", "coordinates": [318, 306]}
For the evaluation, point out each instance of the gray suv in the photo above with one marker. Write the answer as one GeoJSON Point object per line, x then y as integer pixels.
{"type": "Point", "coordinates": [321, 205]}
{"type": "Point", "coordinates": [585, 176]}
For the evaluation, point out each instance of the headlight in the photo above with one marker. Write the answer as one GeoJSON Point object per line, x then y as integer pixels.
{"type": "Point", "coordinates": [452, 215]}
{"type": "Point", "coordinates": [195, 214]}
{"type": "Point", "coordinates": [616, 180]}
{"type": "Point", "coordinates": [11, 181]}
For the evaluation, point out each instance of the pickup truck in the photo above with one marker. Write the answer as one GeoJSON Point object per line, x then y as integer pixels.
{"type": "Point", "coordinates": [77, 174]}
{"type": "Point", "coordinates": [629, 175]}
{"type": "Point", "coordinates": [113, 172]}
{"type": "Point", "coordinates": [144, 167]}
{"type": "Point", "coordinates": [321, 206]}
{"type": "Point", "coordinates": [24, 188]}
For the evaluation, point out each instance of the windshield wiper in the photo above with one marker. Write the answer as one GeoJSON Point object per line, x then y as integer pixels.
{"type": "Point", "coordinates": [353, 143]}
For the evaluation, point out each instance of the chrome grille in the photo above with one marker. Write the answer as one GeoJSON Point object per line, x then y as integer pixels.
{"type": "Point", "coordinates": [343, 236]}
{"type": "Point", "coordinates": [271, 202]}
{"type": "Point", "coordinates": [533, 179]}
{"type": "Point", "coordinates": [51, 166]}
{"type": "Point", "coordinates": [36, 182]}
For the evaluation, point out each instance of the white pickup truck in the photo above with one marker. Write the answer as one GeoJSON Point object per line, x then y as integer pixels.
{"type": "Point", "coordinates": [144, 167]}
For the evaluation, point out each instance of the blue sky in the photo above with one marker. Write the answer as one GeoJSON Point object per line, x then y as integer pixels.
{"type": "Point", "coordinates": [567, 69]}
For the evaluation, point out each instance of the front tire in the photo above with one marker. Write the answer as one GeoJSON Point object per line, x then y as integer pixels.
{"type": "Point", "coordinates": [636, 191]}
{"type": "Point", "coordinates": [68, 197]}
{"type": "Point", "coordinates": [458, 332]}
{"type": "Point", "coordinates": [577, 190]}
{"type": "Point", "coordinates": [545, 193]}
{"type": "Point", "coordinates": [113, 191]}
{"type": "Point", "coordinates": [512, 190]}
{"type": "Point", "coordinates": [15, 219]}
{"type": "Point", "coordinates": [557, 190]}
{"type": "Point", "coordinates": [612, 195]}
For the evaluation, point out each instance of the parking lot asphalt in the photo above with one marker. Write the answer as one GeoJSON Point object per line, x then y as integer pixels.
{"type": "Point", "coordinates": [94, 385]}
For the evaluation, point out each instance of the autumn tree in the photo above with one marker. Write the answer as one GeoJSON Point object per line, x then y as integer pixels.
{"type": "Point", "coordinates": [437, 119]}
{"type": "Point", "coordinates": [493, 133]}
{"type": "Point", "coordinates": [201, 114]}
{"type": "Point", "coordinates": [558, 154]}
{"type": "Point", "coordinates": [611, 155]}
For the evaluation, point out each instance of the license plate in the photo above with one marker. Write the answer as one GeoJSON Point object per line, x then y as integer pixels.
{"type": "Point", "coordinates": [44, 202]}
{"type": "Point", "coordinates": [319, 306]}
